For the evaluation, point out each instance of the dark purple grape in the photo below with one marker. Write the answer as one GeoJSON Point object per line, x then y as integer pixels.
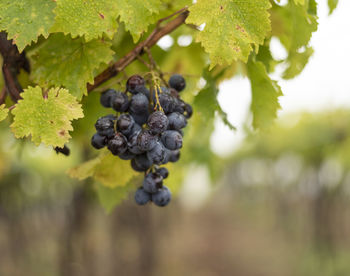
{"type": "Point", "coordinates": [174, 93]}
{"type": "Point", "coordinates": [105, 126]}
{"type": "Point", "coordinates": [172, 139]}
{"type": "Point", "coordinates": [176, 121]}
{"type": "Point", "coordinates": [98, 141]}
{"type": "Point", "coordinates": [163, 172]}
{"type": "Point", "coordinates": [139, 104]}
{"type": "Point", "coordinates": [140, 118]}
{"type": "Point", "coordinates": [146, 140]}
{"type": "Point", "coordinates": [188, 111]}
{"type": "Point", "coordinates": [134, 82]}
{"type": "Point", "coordinates": [142, 197]}
{"type": "Point", "coordinates": [179, 106]}
{"type": "Point", "coordinates": [118, 144]}
{"type": "Point", "coordinates": [174, 156]}
{"type": "Point", "coordinates": [143, 90]}
{"type": "Point", "coordinates": [157, 154]}
{"type": "Point", "coordinates": [152, 182]}
{"type": "Point", "coordinates": [157, 122]}
{"type": "Point", "coordinates": [120, 102]}
{"type": "Point", "coordinates": [125, 124]}
{"type": "Point", "coordinates": [167, 102]}
{"type": "Point", "coordinates": [132, 144]}
{"type": "Point", "coordinates": [141, 163]}
{"type": "Point", "coordinates": [177, 82]}
{"type": "Point", "coordinates": [127, 155]}
{"type": "Point", "coordinates": [106, 97]}
{"type": "Point", "coordinates": [162, 197]}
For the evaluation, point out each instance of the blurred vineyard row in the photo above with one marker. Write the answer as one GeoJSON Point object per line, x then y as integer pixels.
{"type": "Point", "coordinates": [277, 206]}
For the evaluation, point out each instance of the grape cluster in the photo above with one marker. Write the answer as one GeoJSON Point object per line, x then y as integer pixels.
{"type": "Point", "coordinates": [148, 131]}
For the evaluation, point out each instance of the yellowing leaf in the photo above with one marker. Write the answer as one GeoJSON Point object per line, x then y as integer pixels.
{"type": "Point", "coordinates": [25, 21]}
{"type": "Point", "coordinates": [231, 27]}
{"type": "Point", "coordinates": [62, 61]}
{"type": "Point", "coordinates": [3, 112]}
{"type": "Point", "coordinates": [299, 2]}
{"type": "Point", "coordinates": [106, 169]}
{"type": "Point", "coordinates": [47, 120]}
{"type": "Point", "coordinates": [265, 93]}
{"type": "Point", "coordinates": [87, 18]}
{"type": "Point", "coordinates": [138, 15]}
{"type": "Point", "coordinates": [332, 4]}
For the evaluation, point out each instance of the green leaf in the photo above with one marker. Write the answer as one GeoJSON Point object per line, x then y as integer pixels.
{"type": "Point", "coordinates": [299, 2]}
{"type": "Point", "coordinates": [138, 15]}
{"type": "Point", "coordinates": [47, 120]}
{"type": "Point", "coordinates": [332, 4]}
{"type": "Point", "coordinates": [25, 21]}
{"type": "Point", "coordinates": [107, 169]}
{"type": "Point", "coordinates": [3, 112]}
{"type": "Point", "coordinates": [265, 93]}
{"type": "Point", "coordinates": [62, 61]}
{"type": "Point", "coordinates": [206, 102]}
{"type": "Point", "coordinates": [296, 63]}
{"type": "Point", "coordinates": [86, 18]}
{"type": "Point", "coordinates": [295, 25]}
{"type": "Point", "coordinates": [231, 27]}
{"type": "Point", "coordinates": [111, 197]}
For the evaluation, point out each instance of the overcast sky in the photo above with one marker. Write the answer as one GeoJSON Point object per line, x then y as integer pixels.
{"type": "Point", "coordinates": [324, 83]}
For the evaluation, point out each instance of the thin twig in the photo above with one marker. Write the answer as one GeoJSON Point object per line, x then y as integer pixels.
{"type": "Point", "coordinates": [3, 95]}
{"type": "Point", "coordinates": [153, 38]}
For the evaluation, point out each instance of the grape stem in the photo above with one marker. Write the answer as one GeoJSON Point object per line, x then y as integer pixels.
{"type": "Point", "coordinates": [150, 41]}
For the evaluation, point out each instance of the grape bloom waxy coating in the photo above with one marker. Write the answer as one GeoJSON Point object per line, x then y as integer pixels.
{"type": "Point", "coordinates": [148, 131]}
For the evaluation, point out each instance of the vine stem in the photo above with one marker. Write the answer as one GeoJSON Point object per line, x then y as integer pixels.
{"type": "Point", "coordinates": [150, 41]}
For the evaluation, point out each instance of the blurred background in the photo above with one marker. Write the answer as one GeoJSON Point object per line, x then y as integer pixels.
{"type": "Point", "coordinates": [275, 203]}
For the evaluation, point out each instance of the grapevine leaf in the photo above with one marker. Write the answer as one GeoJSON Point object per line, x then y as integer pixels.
{"type": "Point", "coordinates": [87, 18]}
{"type": "Point", "coordinates": [297, 61]}
{"type": "Point", "coordinates": [299, 2]}
{"type": "Point", "coordinates": [138, 15]}
{"type": "Point", "coordinates": [294, 25]}
{"type": "Point", "coordinates": [111, 197]}
{"type": "Point", "coordinates": [231, 27]}
{"type": "Point", "coordinates": [47, 120]}
{"type": "Point", "coordinates": [265, 93]}
{"type": "Point", "coordinates": [62, 61]}
{"type": "Point", "coordinates": [332, 4]}
{"type": "Point", "coordinates": [107, 169]}
{"type": "Point", "coordinates": [25, 21]}
{"type": "Point", "coordinates": [3, 112]}
{"type": "Point", "coordinates": [207, 102]}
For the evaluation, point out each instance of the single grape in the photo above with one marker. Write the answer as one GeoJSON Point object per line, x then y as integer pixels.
{"type": "Point", "coordinates": [152, 182]}
{"type": "Point", "coordinates": [167, 102]}
{"type": "Point", "coordinates": [162, 197]}
{"type": "Point", "coordinates": [106, 97]}
{"type": "Point", "coordinates": [140, 118]}
{"type": "Point", "coordinates": [127, 155]}
{"type": "Point", "coordinates": [139, 104]}
{"type": "Point", "coordinates": [118, 144]}
{"type": "Point", "coordinates": [174, 156]}
{"type": "Point", "coordinates": [157, 122]}
{"type": "Point", "coordinates": [163, 172]}
{"type": "Point", "coordinates": [177, 82]}
{"type": "Point", "coordinates": [98, 141]}
{"type": "Point", "coordinates": [172, 139]}
{"type": "Point", "coordinates": [141, 196]}
{"type": "Point", "coordinates": [125, 124]}
{"type": "Point", "coordinates": [174, 93]}
{"type": "Point", "coordinates": [146, 140]}
{"type": "Point", "coordinates": [134, 82]}
{"type": "Point", "coordinates": [176, 121]}
{"type": "Point", "coordinates": [105, 126]}
{"type": "Point", "coordinates": [120, 102]}
{"type": "Point", "coordinates": [141, 163]}
{"type": "Point", "coordinates": [188, 111]}
{"type": "Point", "coordinates": [157, 154]}
{"type": "Point", "coordinates": [179, 106]}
